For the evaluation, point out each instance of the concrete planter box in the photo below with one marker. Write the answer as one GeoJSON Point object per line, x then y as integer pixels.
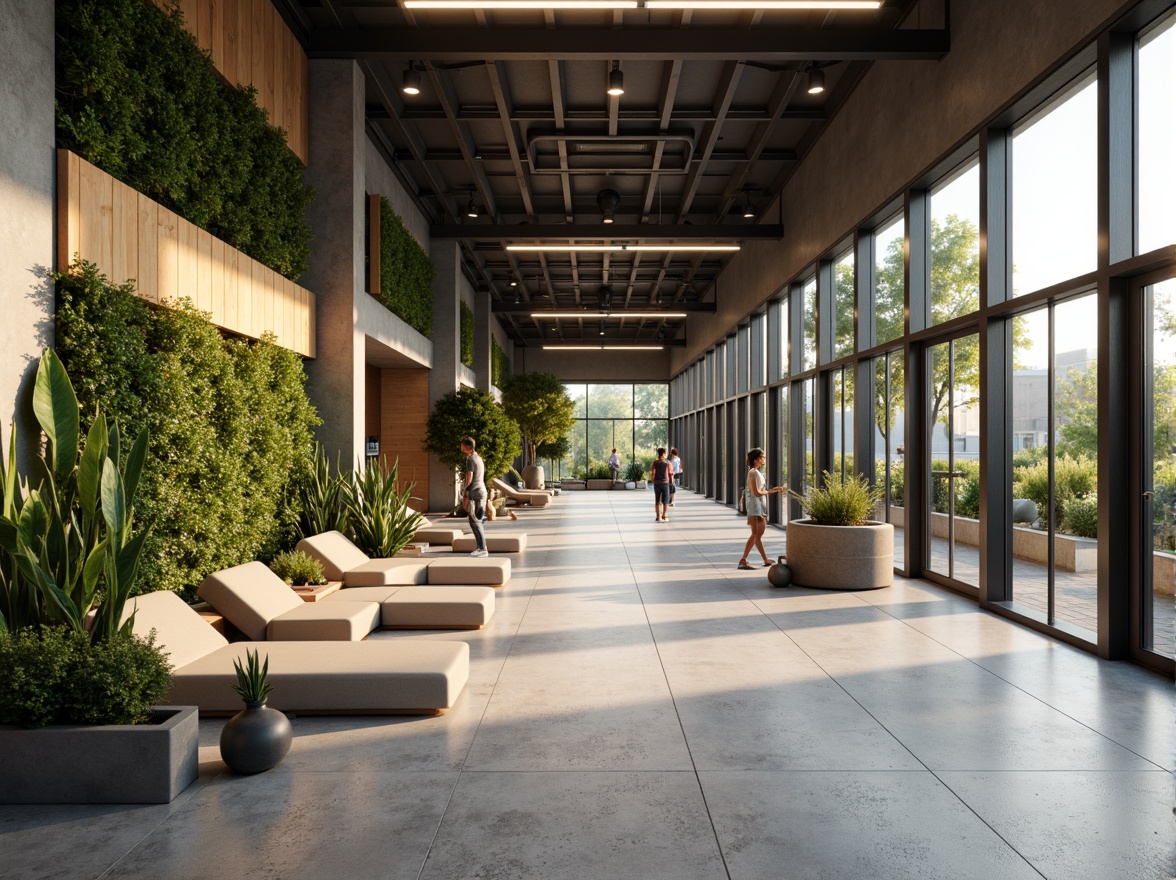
{"type": "Point", "coordinates": [600, 484]}
{"type": "Point", "coordinates": [642, 484]}
{"type": "Point", "coordinates": [112, 764]}
{"type": "Point", "coordinates": [1163, 573]}
{"type": "Point", "coordinates": [572, 485]}
{"type": "Point", "coordinates": [841, 557]}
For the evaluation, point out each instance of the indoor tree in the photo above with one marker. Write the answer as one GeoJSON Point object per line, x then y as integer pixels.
{"type": "Point", "coordinates": [472, 413]}
{"type": "Point", "coordinates": [542, 408]}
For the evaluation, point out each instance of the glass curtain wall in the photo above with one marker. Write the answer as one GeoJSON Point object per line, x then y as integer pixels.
{"type": "Point", "coordinates": [1158, 581]}
{"type": "Point", "coordinates": [889, 422]}
{"type": "Point", "coordinates": [632, 418]}
{"type": "Point", "coordinates": [955, 245]}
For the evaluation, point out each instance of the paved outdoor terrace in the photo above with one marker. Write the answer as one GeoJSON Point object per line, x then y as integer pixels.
{"type": "Point", "coordinates": [640, 709]}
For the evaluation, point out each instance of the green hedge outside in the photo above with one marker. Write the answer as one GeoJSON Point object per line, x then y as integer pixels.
{"type": "Point", "coordinates": [139, 99]}
{"type": "Point", "coordinates": [406, 273]}
{"type": "Point", "coordinates": [467, 335]}
{"type": "Point", "coordinates": [230, 425]}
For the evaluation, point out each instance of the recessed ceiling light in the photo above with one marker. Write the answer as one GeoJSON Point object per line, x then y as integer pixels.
{"type": "Point", "coordinates": [520, 4]}
{"type": "Point", "coordinates": [762, 4]}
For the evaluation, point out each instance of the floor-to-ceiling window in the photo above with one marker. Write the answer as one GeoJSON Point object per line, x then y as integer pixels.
{"type": "Point", "coordinates": [631, 418]}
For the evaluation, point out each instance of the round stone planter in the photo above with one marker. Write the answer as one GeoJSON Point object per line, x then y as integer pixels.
{"type": "Point", "coordinates": [255, 739]}
{"type": "Point", "coordinates": [533, 476]}
{"type": "Point", "coordinates": [841, 557]}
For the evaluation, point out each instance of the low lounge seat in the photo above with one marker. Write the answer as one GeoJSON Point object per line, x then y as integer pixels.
{"type": "Point", "coordinates": [462, 607]}
{"type": "Point", "coordinates": [343, 561]}
{"type": "Point", "coordinates": [429, 533]}
{"type": "Point", "coordinates": [331, 678]}
{"type": "Point", "coordinates": [530, 497]}
{"type": "Point", "coordinates": [509, 543]}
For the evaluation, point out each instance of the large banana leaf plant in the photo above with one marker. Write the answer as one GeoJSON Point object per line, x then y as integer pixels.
{"type": "Point", "coordinates": [67, 547]}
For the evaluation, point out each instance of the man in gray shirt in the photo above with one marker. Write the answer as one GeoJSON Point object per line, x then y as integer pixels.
{"type": "Point", "coordinates": [475, 493]}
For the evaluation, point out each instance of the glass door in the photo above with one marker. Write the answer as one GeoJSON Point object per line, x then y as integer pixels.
{"type": "Point", "coordinates": [952, 501]}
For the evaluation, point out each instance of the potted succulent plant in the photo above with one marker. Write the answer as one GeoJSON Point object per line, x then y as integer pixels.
{"type": "Point", "coordinates": [70, 666]}
{"type": "Point", "coordinates": [257, 737]}
{"type": "Point", "coordinates": [838, 547]}
{"type": "Point", "coordinates": [298, 569]}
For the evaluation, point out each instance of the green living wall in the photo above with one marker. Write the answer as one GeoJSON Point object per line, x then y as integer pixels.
{"type": "Point", "coordinates": [230, 425]}
{"type": "Point", "coordinates": [139, 99]}
{"type": "Point", "coordinates": [467, 335]}
{"type": "Point", "coordinates": [499, 363]}
{"type": "Point", "coordinates": [406, 273]}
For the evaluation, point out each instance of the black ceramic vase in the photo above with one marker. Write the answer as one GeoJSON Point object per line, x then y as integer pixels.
{"type": "Point", "coordinates": [255, 739]}
{"type": "Point", "coordinates": [780, 575]}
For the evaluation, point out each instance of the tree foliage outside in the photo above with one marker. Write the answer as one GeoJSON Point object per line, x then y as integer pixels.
{"type": "Point", "coordinates": [473, 413]}
{"type": "Point", "coordinates": [541, 406]}
{"type": "Point", "coordinates": [139, 99]}
{"type": "Point", "coordinates": [406, 273]}
{"type": "Point", "coordinates": [230, 425]}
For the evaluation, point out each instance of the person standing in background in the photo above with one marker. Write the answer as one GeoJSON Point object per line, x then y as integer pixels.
{"type": "Point", "coordinates": [475, 494]}
{"type": "Point", "coordinates": [675, 472]}
{"type": "Point", "coordinates": [659, 475]}
{"type": "Point", "coordinates": [614, 465]}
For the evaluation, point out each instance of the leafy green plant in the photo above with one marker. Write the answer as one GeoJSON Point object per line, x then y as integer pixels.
{"type": "Point", "coordinates": [252, 679]}
{"type": "Point", "coordinates": [406, 273]}
{"type": "Point", "coordinates": [499, 363]}
{"type": "Point", "coordinates": [634, 472]}
{"type": "Point", "coordinates": [230, 424]}
{"type": "Point", "coordinates": [555, 450]}
{"type": "Point", "coordinates": [55, 675]}
{"type": "Point", "coordinates": [467, 335]}
{"type": "Point", "coordinates": [597, 471]}
{"type": "Point", "coordinates": [380, 518]}
{"type": "Point", "coordinates": [1080, 516]}
{"type": "Point", "coordinates": [322, 497]}
{"type": "Point", "coordinates": [138, 98]}
{"type": "Point", "coordinates": [472, 413]}
{"type": "Point", "coordinates": [1073, 478]}
{"type": "Point", "coordinates": [297, 568]}
{"type": "Point", "coordinates": [968, 502]}
{"type": "Point", "coordinates": [839, 503]}
{"type": "Point", "coordinates": [68, 545]}
{"type": "Point", "coordinates": [541, 406]}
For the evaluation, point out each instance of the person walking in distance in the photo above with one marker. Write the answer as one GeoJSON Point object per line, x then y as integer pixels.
{"type": "Point", "coordinates": [755, 495]}
{"type": "Point", "coordinates": [659, 475]}
{"type": "Point", "coordinates": [675, 472]}
{"type": "Point", "coordinates": [475, 494]}
{"type": "Point", "coordinates": [614, 465]}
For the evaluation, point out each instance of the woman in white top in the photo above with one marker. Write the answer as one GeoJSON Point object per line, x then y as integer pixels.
{"type": "Point", "coordinates": [756, 499]}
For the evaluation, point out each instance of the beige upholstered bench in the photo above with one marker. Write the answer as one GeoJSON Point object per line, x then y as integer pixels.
{"type": "Point", "coordinates": [342, 560]}
{"type": "Point", "coordinates": [531, 497]}
{"type": "Point", "coordinates": [510, 543]}
{"type": "Point", "coordinates": [466, 607]}
{"type": "Point", "coordinates": [429, 533]}
{"type": "Point", "coordinates": [335, 678]}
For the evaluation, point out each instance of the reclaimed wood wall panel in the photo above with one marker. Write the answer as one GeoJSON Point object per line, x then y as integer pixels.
{"type": "Point", "coordinates": [250, 44]}
{"type": "Point", "coordinates": [127, 235]}
{"type": "Point", "coordinates": [404, 416]}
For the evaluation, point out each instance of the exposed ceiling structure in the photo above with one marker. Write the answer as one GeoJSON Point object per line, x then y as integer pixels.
{"type": "Point", "coordinates": [513, 139]}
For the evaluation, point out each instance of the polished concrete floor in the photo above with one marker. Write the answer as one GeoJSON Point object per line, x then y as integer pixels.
{"type": "Point", "coordinates": [639, 708]}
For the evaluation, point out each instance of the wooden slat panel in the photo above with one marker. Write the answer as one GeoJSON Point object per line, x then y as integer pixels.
{"type": "Point", "coordinates": [127, 235]}
{"type": "Point", "coordinates": [167, 224]}
{"type": "Point", "coordinates": [228, 62]}
{"type": "Point", "coordinates": [260, 36]}
{"type": "Point", "coordinates": [273, 21]}
{"type": "Point", "coordinates": [216, 33]}
{"type": "Point", "coordinates": [147, 217]}
{"type": "Point", "coordinates": [404, 413]}
{"type": "Point", "coordinates": [303, 120]}
{"type": "Point", "coordinates": [217, 304]}
{"type": "Point", "coordinates": [203, 25]}
{"type": "Point", "coordinates": [245, 41]}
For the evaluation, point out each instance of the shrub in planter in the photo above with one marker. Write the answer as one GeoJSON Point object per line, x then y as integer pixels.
{"type": "Point", "coordinates": [598, 471]}
{"type": "Point", "coordinates": [634, 472]}
{"type": "Point", "coordinates": [378, 515]}
{"type": "Point", "coordinates": [297, 568]}
{"type": "Point", "coordinates": [54, 675]}
{"type": "Point", "coordinates": [839, 502]}
{"type": "Point", "coordinates": [1080, 516]}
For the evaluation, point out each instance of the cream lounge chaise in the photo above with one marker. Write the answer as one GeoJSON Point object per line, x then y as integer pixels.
{"type": "Point", "coordinates": [430, 533]}
{"type": "Point", "coordinates": [510, 542]}
{"type": "Point", "coordinates": [530, 497]}
{"type": "Point", "coordinates": [327, 678]}
{"type": "Point", "coordinates": [260, 605]}
{"type": "Point", "coordinates": [343, 561]}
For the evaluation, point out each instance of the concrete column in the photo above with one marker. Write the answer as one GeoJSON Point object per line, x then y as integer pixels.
{"type": "Point", "coordinates": [446, 338]}
{"type": "Point", "coordinates": [336, 171]}
{"type": "Point", "coordinates": [482, 336]}
{"type": "Point", "coordinates": [27, 214]}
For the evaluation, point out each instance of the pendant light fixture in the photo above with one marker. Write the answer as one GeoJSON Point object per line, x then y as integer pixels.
{"type": "Point", "coordinates": [616, 80]}
{"type": "Point", "coordinates": [816, 81]}
{"type": "Point", "coordinates": [411, 82]}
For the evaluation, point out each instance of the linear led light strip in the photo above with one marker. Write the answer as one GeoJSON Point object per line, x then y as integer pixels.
{"type": "Point", "coordinates": [603, 347]}
{"type": "Point", "coordinates": [649, 4]}
{"type": "Point", "coordinates": [590, 315]}
{"type": "Point", "coordinates": [556, 248]}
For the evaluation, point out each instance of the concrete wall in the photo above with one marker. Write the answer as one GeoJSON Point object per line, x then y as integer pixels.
{"type": "Point", "coordinates": [27, 194]}
{"type": "Point", "coordinates": [899, 121]}
{"type": "Point", "coordinates": [380, 179]}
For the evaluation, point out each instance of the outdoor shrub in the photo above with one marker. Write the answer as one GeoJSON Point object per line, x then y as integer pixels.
{"type": "Point", "coordinates": [472, 413]}
{"type": "Point", "coordinates": [467, 335]}
{"type": "Point", "coordinates": [54, 675]}
{"type": "Point", "coordinates": [1073, 478]}
{"type": "Point", "coordinates": [1080, 516]}
{"type": "Point", "coordinates": [297, 568]}
{"type": "Point", "coordinates": [968, 501]}
{"type": "Point", "coordinates": [634, 472]}
{"type": "Point", "coordinates": [839, 503]}
{"type": "Point", "coordinates": [139, 99]}
{"type": "Point", "coordinates": [598, 471]}
{"type": "Point", "coordinates": [499, 363]}
{"type": "Point", "coordinates": [230, 425]}
{"type": "Point", "coordinates": [406, 273]}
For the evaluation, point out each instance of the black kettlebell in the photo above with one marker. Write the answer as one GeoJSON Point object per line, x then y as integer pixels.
{"type": "Point", "coordinates": [780, 575]}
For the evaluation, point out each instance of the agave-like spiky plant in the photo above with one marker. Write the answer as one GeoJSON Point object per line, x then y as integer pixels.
{"type": "Point", "coordinates": [252, 685]}
{"type": "Point", "coordinates": [379, 515]}
{"type": "Point", "coordinates": [323, 496]}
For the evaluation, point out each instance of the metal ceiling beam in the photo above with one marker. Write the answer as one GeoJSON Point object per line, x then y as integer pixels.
{"type": "Point", "coordinates": [618, 232]}
{"type": "Point", "coordinates": [682, 114]}
{"type": "Point", "coordinates": [631, 44]}
{"type": "Point", "coordinates": [593, 313]}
